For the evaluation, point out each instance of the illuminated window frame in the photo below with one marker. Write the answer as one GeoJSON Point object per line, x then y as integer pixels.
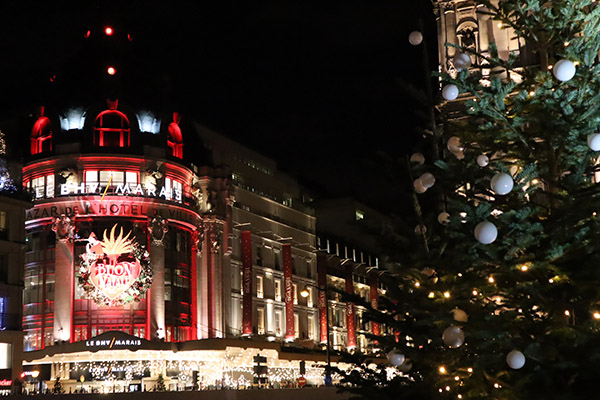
{"type": "Point", "coordinates": [124, 131]}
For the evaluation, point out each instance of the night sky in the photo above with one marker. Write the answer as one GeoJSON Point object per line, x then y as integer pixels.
{"type": "Point", "coordinates": [317, 86]}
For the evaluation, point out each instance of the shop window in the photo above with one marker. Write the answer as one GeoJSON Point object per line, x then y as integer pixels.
{"type": "Point", "coordinates": [175, 139]}
{"type": "Point", "coordinates": [259, 287]}
{"type": "Point", "coordinates": [42, 186]}
{"type": "Point", "coordinates": [111, 128]}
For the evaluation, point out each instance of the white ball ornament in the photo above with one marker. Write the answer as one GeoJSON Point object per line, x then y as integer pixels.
{"type": "Point", "coordinates": [450, 92]}
{"type": "Point", "coordinates": [459, 315]}
{"type": "Point", "coordinates": [486, 232]}
{"type": "Point", "coordinates": [420, 229]}
{"type": "Point", "coordinates": [461, 61]}
{"type": "Point", "coordinates": [427, 179]}
{"type": "Point", "coordinates": [453, 336]}
{"type": "Point", "coordinates": [564, 70]}
{"type": "Point", "coordinates": [443, 217]}
{"type": "Point", "coordinates": [453, 144]}
{"type": "Point", "coordinates": [415, 38]}
{"type": "Point", "coordinates": [418, 185]}
{"type": "Point", "coordinates": [483, 160]}
{"type": "Point", "coordinates": [594, 141]}
{"type": "Point", "coordinates": [515, 359]}
{"type": "Point", "coordinates": [417, 158]}
{"type": "Point", "coordinates": [396, 358]}
{"type": "Point", "coordinates": [407, 366]}
{"type": "Point", "coordinates": [502, 183]}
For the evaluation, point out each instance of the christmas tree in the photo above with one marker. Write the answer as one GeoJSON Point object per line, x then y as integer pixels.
{"type": "Point", "coordinates": [498, 293]}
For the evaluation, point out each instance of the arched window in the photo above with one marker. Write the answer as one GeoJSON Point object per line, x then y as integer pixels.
{"type": "Point", "coordinates": [175, 139]}
{"type": "Point", "coordinates": [111, 128]}
{"type": "Point", "coordinates": [41, 134]}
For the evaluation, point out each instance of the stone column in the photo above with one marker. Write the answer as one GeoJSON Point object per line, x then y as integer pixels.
{"type": "Point", "coordinates": [65, 275]}
{"type": "Point", "coordinates": [158, 227]}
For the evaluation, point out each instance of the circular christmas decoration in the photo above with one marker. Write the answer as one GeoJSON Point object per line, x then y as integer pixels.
{"type": "Point", "coordinates": [502, 183]}
{"type": "Point", "coordinates": [420, 229]}
{"type": "Point", "coordinates": [114, 271]}
{"type": "Point", "coordinates": [406, 366]}
{"type": "Point", "coordinates": [450, 92]}
{"type": "Point", "coordinates": [461, 61]}
{"type": "Point", "coordinates": [459, 315]}
{"type": "Point", "coordinates": [443, 217]}
{"type": "Point", "coordinates": [594, 141]}
{"type": "Point", "coordinates": [427, 179]}
{"type": "Point", "coordinates": [418, 158]}
{"type": "Point", "coordinates": [415, 38]}
{"type": "Point", "coordinates": [453, 144]}
{"type": "Point", "coordinates": [483, 160]}
{"type": "Point", "coordinates": [486, 232]}
{"type": "Point", "coordinates": [418, 185]}
{"type": "Point", "coordinates": [515, 359]}
{"type": "Point", "coordinates": [564, 70]}
{"type": "Point", "coordinates": [396, 358]}
{"type": "Point", "coordinates": [453, 336]}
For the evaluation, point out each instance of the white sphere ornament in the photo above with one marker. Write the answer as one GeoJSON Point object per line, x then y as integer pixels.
{"type": "Point", "coordinates": [418, 185]}
{"type": "Point", "coordinates": [483, 160]}
{"type": "Point", "coordinates": [420, 229]}
{"type": "Point", "coordinates": [395, 358]}
{"type": "Point", "coordinates": [407, 366]}
{"type": "Point", "coordinates": [415, 38]}
{"type": "Point", "coordinates": [594, 141]}
{"type": "Point", "coordinates": [486, 232]}
{"type": "Point", "coordinates": [453, 336]}
{"type": "Point", "coordinates": [453, 144]}
{"type": "Point", "coordinates": [427, 179]}
{"type": "Point", "coordinates": [417, 158]}
{"type": "Point", "coordinates": [515, 359]}
{"type": "Point", "coordinates": [459, 315]}
{"type": "Point", "coordinates": [450, 92]}
{"type": "Point", "coordinates": [443, 217]}
{"type": "Point", "coordinates": [502, 183]}
{"type": "Point", "coordinates": [461, 61]}
{"type": "Point", "coordinates": [564, 70]}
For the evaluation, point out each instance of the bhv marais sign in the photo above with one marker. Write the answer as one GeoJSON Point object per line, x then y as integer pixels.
{"type": "Point", "coordinates": [121, 189]}
{"type": "Point", "coordinates": [116, 270]}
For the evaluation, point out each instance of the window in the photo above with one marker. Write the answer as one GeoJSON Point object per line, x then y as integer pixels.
{"type": "Point", "coordinates": [259, 287]}
{"type": "Point", "coordinates": [5, 355]}
{"type": "Point", "coordinates": [296, 326]}
{"type": "Point", "coordinates": [277, 287]}
{"type": "Point", "coordinates": [4, 268]}
{"type": "Point", "coordinates": [3, 225]}
{"type": "Point", "coordinates": [175, 140]}
{"type": "Point", "coordinates": [260, 321]}
{"type": "Point", "coordinates": [359, 215]}
{"type": "Point", "coordinates": [295, 293]}
{"type": "Point", "coordinates": [42, 186]}
{"type": "Point", "coordinates": [41, 135]}
{"type": "Point", "coordinates": [311, 327]}
{"type": "Point", "coordinates": [172, 189]}
{"type": "Point", "coordinates": [114, 177]}
{"type": "Point", "coordinates": [111, 128]}
{"type": "Point", "coordinates": [278, 323]}
{"type": "Point", "coordinates": [259, 259]}
{"type": "Point", "coordinates": [309, 299]}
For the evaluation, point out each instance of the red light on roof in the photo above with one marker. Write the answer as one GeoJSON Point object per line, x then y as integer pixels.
{"type": "Point", "coordinates": [108, 30]}
{"type": "Point", "coordinates": [111, 71]}
{"type": "Point", "coordinates": [87, 34]}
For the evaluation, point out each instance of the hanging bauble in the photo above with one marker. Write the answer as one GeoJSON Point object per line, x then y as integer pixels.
{"type": "Point", "coordinates": [395, 358]}
{"type": "Point", "coordinates": [450, 92]}
{"type": "Point", "coordinates": [461, 61]}
{"type": "Point", "coordinates": [417, 158]}
{"type": "Point", "coordinates": [418, 185]}
{"type": "Point", "coordinates": [415, 38]}
{"type": "Point", "coordinates": [406, 366]}
{"type": "Point", "coordinates": [443, 217]}
{"type": "Point", "coordinates": [459, 154]}
{"type": "Point", "coordinates": [483, 160]}
{"type": "Point", "coordinates": [459, 315]}
{"type": "Point", "coordinates": [420, 229]}
{"type": "Point", "coordinates": [502, 183]}
{"type": "Point", "coordinates": [515, 359]}
{"type": "Point", "coordinates": [453, 144]}
{"type": "Point", "coordinates": [594, 141]}
{"type": "Point", "coordinates": [564, 70]}
{"type": "Point", "coordinates": [427, 179]}
{"type": "Point", "coordinates": [486, 232]}
{"type": "Point", "coordinates": [453, 336]}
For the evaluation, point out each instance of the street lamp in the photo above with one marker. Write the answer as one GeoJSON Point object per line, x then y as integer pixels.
{"type": "Point", "coordinates": [305, 293]}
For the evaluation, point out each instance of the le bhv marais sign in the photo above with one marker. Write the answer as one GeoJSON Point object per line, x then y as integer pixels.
{"type": "Point", "coordinates": [121, 189]}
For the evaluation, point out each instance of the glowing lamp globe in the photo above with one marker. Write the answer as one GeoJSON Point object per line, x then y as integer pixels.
{"type": "Point", "coordinates": [418, 185]}
{"type": "Point", "coordinates": [502, 183]}
{"type": "Point", "coordinates": [111, 71]}
{"type": "Point", "coordinates": [564, 70]}
{"type": "Point", "coordinates": [417, 158]}
{"type": "Point", "coordinates": [594, 141]}
{"type": "Point", "coordinates": [483, 160]}
{"type": "Point", "coordinates": [453, 336]}
{"type": "Point", "coordinates": [450, 92]}
{"type": "Point", "coordinates": [415, 38]}
{"type": "Point", "coordinates": [461, 61]}
{"type": "Point", "coordinates": [443, 217]}
{"type": "Point", "coordinates": [486, 232]}
{"type": "Point", "coordinates": [396, 358]}
{"type": "Point", "coordinates": [515, 359]}
{"type": "Point", "coordinates": [427, 179]}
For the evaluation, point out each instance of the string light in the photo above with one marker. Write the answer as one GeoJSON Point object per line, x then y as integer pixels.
{"type": "Point", "coordinates": [470, 370]}
{"type": "Point", "coordinates": [567, 313]}
{"type": "Point", "coordinates": [417, 284]}
{"type": "Point", "coordinates": [566, 44]}
{"type": "Point", "coordinates": [550, 66]}
{"type": "Point", "coordinates": [447, 295]}
{"type": "Point", "coordinates": [457, 378]}
{"type": "Point", "coordinates": [491, 279]}
{"type": "Point", "coordinates": [447, 388]}
{"type": "Point", "coordinates": [431, 295]}
{"type": "Point", "coordinates": [474, 292]}
{"type": "Point", "coordinates": [497, 386]}
{"type": "Point", "coordinates": [531, 93]}
{"type": "Point", "coordinates": [597, 315]}
{"type": "Point", "coordinates": [524, 268]}
{"type": "Point", "coordinates": [459, 396]}
{"type": "Point", "coordinates": [551, 280]}
{"type": "Point", "coordinates": [442, 369]}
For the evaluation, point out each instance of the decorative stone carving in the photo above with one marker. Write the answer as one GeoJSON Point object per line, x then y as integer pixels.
{"type": "Point", "coordinates": [158, 228]}
{"type": "Point", "coordinates": [64, 228]}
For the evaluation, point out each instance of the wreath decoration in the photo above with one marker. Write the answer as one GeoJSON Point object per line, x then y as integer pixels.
{"type": "Point", "coordinates": [115, 271]}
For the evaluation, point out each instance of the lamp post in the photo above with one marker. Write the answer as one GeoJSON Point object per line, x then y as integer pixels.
{"type": "Point", "coordinates": [305, 293]}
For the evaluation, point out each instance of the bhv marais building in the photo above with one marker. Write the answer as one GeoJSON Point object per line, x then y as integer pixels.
{"type": "Point", "coordinates": [156, 247]}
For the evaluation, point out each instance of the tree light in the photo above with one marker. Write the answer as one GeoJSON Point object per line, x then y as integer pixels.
{"type": "Point", "coordinates": [496, 385]}
{"type": "Point", "coordinates": [442, 369]}
{"type": "Point", "coordinates": [470, 370]}
{"type": "Point", "coordinates": [491, 279]}
{"type": "Point", "coordinates": [447, 295]}
{"type": "Point", "coordinates": [524, 268]}
{"type": "Point", "coordinates": [597, 315]}
{"type": "Point", "coordinates": [447, 388]}
{"type": "Point", "coordinates": [417, 284]}
{"type": "Point", "coordinates": [567, 313]}
{"type": "Point", "coordinates": [111, 70]}
{"type": "Point", "coordinates": [474, 292]}
{"type": "Point", "coordinates": [431, 295]}
{"type": "Point", "coordinates": [459, 396]}
{"type": "Point", "coordinates": [108, 30]}
{"type": "Point", "coordinates": [457, 378]}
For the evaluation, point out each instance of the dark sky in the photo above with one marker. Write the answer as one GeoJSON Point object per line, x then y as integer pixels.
{"type": "Point", "coordinates": [314, 85]}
